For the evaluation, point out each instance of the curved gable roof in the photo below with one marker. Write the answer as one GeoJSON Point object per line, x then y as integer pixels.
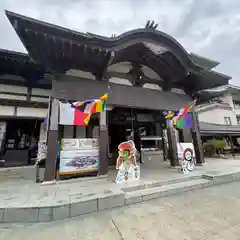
{"type": "Point", "coordinates": [25, 27]}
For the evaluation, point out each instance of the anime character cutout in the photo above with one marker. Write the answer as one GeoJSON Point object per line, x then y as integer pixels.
{"type": "Point", "coordinates": [126, 162]}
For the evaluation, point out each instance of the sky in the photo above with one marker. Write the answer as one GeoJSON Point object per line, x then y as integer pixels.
{"type": "Point", "coordinates": [210, 28]}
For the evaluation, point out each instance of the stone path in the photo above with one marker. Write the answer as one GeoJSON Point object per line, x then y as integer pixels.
{"type": "Point", "coordinates": [35, 202]}
{"type": "Point", "coordinates": [207, 214]}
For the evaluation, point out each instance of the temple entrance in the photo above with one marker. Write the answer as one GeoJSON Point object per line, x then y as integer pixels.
{"type": "Point", "coordinates": [20, 145]}
{"type": "Point", "coordinates": [138, 125]}
{"type": "Point", "coordinates": [119, 120]}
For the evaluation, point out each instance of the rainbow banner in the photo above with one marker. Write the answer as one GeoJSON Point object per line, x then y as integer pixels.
{"type": "Point", "coordinates": [185, 122]}
{"type": "Point", "coordinates": [181, 119]}
{"type": "Point", "coordinates": [90, 106]}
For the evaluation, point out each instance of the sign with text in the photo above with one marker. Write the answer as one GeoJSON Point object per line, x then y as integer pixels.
{"type": "Point", "coordinates": [79, 156]}
{"type": "Point", "coordinates": [79, 161]}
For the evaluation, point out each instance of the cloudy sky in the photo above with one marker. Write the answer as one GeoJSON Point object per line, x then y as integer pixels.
{"type": "Point", "coordinates": [207, 27]}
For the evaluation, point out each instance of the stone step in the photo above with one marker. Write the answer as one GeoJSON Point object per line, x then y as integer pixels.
{"type": "Point", "coordinates": [10, 173]}
{"type": "Point", "coordinates": [6, 174]}
{"type": "Point", "coordinates": [16, 172]}
{"type": "Point", "coordinates": [2, 178]}
{"type": "Point", "coordinates": [137, 186]}
{"type": "Point", "coordinates": [47, 210]}
{"type": "Point", "coordinates": [2, 175]}
{"type": "Point", "coordinates": [79, 205]}
{"type": "Point", "coordinates": [166, 190]}
{"type": "Point", "coordinates": [219, 177]}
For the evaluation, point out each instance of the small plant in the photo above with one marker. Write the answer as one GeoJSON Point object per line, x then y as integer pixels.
{"type": "Point", "coordinates": [212, 147]}
{"type": "Point", "coordinates": [218, 144]}
{"type": "Point", "coordinates": [208, 149]}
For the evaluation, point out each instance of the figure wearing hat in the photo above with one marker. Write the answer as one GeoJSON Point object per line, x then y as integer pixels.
{"type": "Point", "coordinates": [126, 160]}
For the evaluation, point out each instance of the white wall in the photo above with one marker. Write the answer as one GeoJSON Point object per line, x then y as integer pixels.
{"type": "Point", "coordinates": [7, 92]}
{"type": "Point", "coordinates": [217, 116]}
{"type": "Point", "coordinates": [31, 112]}
{"type": "Point", "coordinates": [236, 97]}
{"type": "Point", "coordinates": [237, 111]}
{"type": "Point", "coordinates": [41, 92]}
{"type": "Point", "coordinates": [13, 89]}
{"type": "Point", "coordinates": [227, 98]}
{"type": "Point", "coordinates": [6, 110]}
{"type": "Point", "coordinates": [120, 81]}
{"type": "Point", "coordinates": [12, 97]}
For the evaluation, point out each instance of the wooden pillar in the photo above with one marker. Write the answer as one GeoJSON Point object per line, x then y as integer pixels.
{"type": "Point", "coordinates": [52, 142]}
{"type": "Point", "coordinates": [197, 142]}
{"type": "Point", "coordinates": [158, 133]}
{"type": "Point", "coordinates": [172, 147]}
{"type": "Point", "coordinates": [187, 135]}
{"type": "Point", "coordinates": [161, 144]}
{"type": "Point", "coordinates": [3, 131]}
{"type": "Point", "coordinates": [164, 144]}
{"type": "Point", "coordinates": [232, 146]}
{"type": "Point", "coordinates": [103, 144]}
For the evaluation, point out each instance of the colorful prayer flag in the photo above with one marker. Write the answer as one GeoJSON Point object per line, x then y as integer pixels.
{"type": "Point", "coordinates": [185, 122]}
{"type": "Point", "coordinates": [72, 116]}
{"type": "Point", "coordinates": [45, 120]}
{"type": "Point", "coordinates": [91, 105]}
{"type": "Point", "coordinates": [87, 118]}
{"type": "Point", "coordinates": [170, 115]}
{"type": "Point", "coordinates": [182, 118]}
{"type": "Point", "coordinates": [183, 112]}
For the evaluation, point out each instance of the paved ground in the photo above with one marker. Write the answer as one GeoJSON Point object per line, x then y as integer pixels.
{"type": "Point", "coordinates": [211, 213]}
{"type": "Point", "coordinates": [21, 193]}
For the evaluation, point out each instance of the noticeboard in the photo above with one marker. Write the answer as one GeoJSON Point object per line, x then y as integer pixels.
{"type": "Point", "coordinates": [79, 156]}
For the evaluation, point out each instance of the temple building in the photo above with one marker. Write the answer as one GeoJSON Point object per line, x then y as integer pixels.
{"type": "Point", "coordinates": [24, 97]}
{"type": "Point", "coordinates": [144, 71]}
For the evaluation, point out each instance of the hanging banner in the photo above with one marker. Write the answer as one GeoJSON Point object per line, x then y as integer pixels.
{"type": "Point", "coordinates": [43, 133]}
{"type": "Point", "coordinates": [126, 163]}
{"type": "Point", "coordinates": [79, 156]}
{"type": "Point", "coordinates": [71, 116]}
{"type": "Point", "coordinates": [42, 152]}
{"type": "Point", "coordinates": [42, 144]}
{"type": "Point", "coordinates": [186, 155]}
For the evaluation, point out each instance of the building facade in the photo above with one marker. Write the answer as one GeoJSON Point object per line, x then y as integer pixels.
{"type": "Point", "coordinates": [217, 113]}
{"type": "Point", "coordinates": [222, 106]}
{"type": "Point", "coordinates": [144, 71]}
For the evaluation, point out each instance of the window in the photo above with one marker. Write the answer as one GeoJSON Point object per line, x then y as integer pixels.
{"type": "Point", "coordinates": [68, 131]}
{"type": "Point", "coordinates": [20, 133]}
{"type": "Point", "coordinates": [227, 121]}
{"type": "Point", "coordinates": [236, 104]}
{"type": "Point", "coordinates": [80, 132]}
{"type": "Point", "coordinates": [74, 131]}
{"type": "Point", "coordinates": [90, 131]}
{"type": "Point", "coordinates": [238, 119]}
